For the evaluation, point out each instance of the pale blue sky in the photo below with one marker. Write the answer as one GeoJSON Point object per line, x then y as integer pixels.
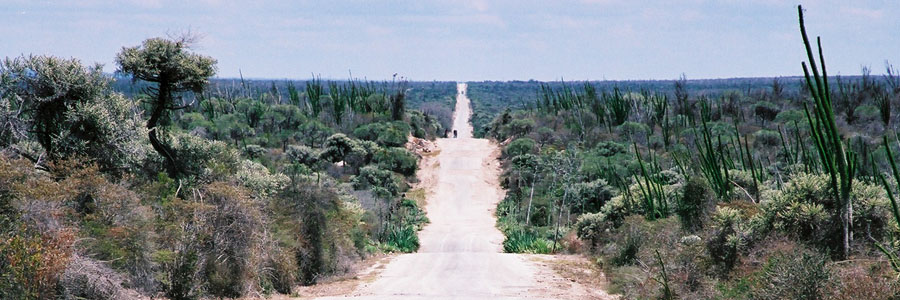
{"type": "Point", "coordinates": [470, 39]}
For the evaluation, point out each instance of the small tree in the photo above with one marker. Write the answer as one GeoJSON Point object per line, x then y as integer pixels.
{"type": "Point", "coordinates": [528, 166]}
{"type": "Point", "coordinates": [173, 69]}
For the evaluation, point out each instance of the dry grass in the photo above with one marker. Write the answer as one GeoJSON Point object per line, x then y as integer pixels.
{"type": "Point", "coordinates": [418, 195]}
{"type": "Point", "coordinates": [577, 271]}
{"type": "Point", "coordinates": [366, 271]}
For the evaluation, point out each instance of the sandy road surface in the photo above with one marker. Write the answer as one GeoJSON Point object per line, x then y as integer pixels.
{"type": "Point", "coordinates": [460, 255]}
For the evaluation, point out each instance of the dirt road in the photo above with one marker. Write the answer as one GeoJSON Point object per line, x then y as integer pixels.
{"type": "Point", "coordinates": [461, 254]}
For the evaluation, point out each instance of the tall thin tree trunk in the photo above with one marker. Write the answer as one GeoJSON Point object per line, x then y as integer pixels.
{"type": "Point", "coordinates": [530, 200]}
{"type": "Point", "coordinates": [559, 208]}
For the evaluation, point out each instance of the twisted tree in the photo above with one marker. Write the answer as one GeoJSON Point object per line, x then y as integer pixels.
{"type": "Point", "coordinates": [174, 69]}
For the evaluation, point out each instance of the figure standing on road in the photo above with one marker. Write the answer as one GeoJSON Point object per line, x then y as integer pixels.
{"type": "Point", "coordinates": [454, 133]}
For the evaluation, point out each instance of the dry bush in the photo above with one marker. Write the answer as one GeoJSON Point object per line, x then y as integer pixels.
{"type": "Point", "coordinates": [116, 226]}
{"type": "Point", "coordinates": [35, 243]}
{"type": "Point", "coordinates": [86, 278]}
{"type": "Point", "coordinates": [234, 233]}
{"type": "Point", "coordinates": [863, 280]}
{"type": "Point", "coordinates": [110, 222]}
{"type": "Point", "coordinates": [283, 270]}
{"type": "Point", "coordinates": [321, 227]}
{"type": "Point", "coordinates": [572, 243]}
{"type": "Point", "coordinates": [793, 275]}
{"type": "Point", "coordinates": [30, 263]}
{"type": "Point", "coordinates": [631, 253]}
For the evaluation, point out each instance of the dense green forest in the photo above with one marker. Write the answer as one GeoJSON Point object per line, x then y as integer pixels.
{"type": "Point", "coordinates": [784, 191]}
{"type": "Point", "coordinates": [161, 181]}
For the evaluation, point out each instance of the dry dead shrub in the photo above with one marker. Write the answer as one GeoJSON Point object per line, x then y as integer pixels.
{"type": "Point", "coordinates": [117, 227]}
{"type": "Point", "coordinates": [234, 230]}
{"type": "Point", "coordinates": [759, 253]}
{"type": "Point", "coordinates": [320, 227]}
{"type": "Point", "coordinates": [76, 201]}
{"type": "Point", "coordinates": [573, 243]}
{"type": "Point", "coordinates": [863, 280]}
{"type": "Point", "coordinates": [283, 270]}
{"type": "Point", "coordinates": [31, 263]}
{"type": "Point", "coordinates": [35, 244]}
{"type": "Point", "coordinates": [86, 278]}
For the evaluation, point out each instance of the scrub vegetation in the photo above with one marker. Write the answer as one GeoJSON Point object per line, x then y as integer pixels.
{"type": "Point", "coordinates": [778, 191]}
{"type": "Point", "coordinates": [162, 182]}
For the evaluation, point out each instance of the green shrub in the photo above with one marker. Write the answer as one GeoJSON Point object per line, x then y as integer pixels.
{"type": "Point", "coordinates": [303, 155]}
{"type": "Point", "coordinates": [313, 133]}
{"type": "Point", "coordinates": [633, 129]}
{"type": "Point", "coordinates": [608, 163]}
{"type": "Point", "coordinates": [616, 210]}
{"type": "Point", "coordinates": [545, 136]}
{"type": "Point", "coordinates": [521, 240]}
{"type": "Point", "coordinates": [372, 176]}
{"type": "Point", "coordinates": [866, 113]}
{"type": "Point", "coordinates": [396, 159]}
{"type": "Point", "coordinates": [520, 146]}
{"type": "Point", "coordinates": [205, 158]}
{"type": "Point", "coordinates": [729, 236]}
{"type": "Point", "coordinates": [424, 125]}
{"type": "Point", "coordinates": [519, 127]}
{"type": "Point", "coordinates": [692, 204]}
{"type": "Point", "coordinates": [337, 146]}
{"type": "Point", "coordinates": [254, 151]}
{"type": "Point", "coordinates": [793, 275]}
{"type": "Point", "coordinates": [801, 209]}
{"type": "Point", "coordinates": [788, 117]}
{"type": "Point", "coordinates": [765, 138]}
{"type": "Point", "coordinates": [361, 154]}
{"type": "Point", "coordinates": [590, 196]}
{"type": "Point", "coordinates": [805, 208]}
{"type": "Point", "coordinates": [257, 178]}
{"type": "Point", "coordinates": [720, 128]}
{"type": "Point", "coordinates": [70, 111]}
{"type": "Point", "coordinates": [766, 110]}
{"type": "Point", "coordinates": [590, 227]}
{"type": "Point", "coordinates": [610, 148]}
{"type": "Point", "coordinates": [402, 239]}
{"type": "Point", "coordinates": [744, 179]}
{"type": "Point", "coordinates": [386, 134]}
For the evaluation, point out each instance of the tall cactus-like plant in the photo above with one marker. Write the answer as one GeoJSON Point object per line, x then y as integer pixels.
{"type": "Point", "coordinates": [619, 106]}
{"type": "Point", "coordinates": [314, 92]}
{"type": "Point", "coordinates": [339, 101]}
{"type": "Point", "coordinates": [892, 257]}
{"type": "Point", "coordinates": [838, 163]}
{"type": "Point", "coordinates": [714, 162]}
{"type": "Point", "coordinates": [651, 188]}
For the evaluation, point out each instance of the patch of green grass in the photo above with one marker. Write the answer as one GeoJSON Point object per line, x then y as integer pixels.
{"type": "Point", "coordinates": [520, 240]}
{"type": "Point", "coordinates": [401, 239]}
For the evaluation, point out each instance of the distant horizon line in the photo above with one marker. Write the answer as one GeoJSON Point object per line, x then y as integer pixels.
{"type": "Point", "coordinates": [115, 75]}
{"type": "Point", "coordinates": [536, 80]}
